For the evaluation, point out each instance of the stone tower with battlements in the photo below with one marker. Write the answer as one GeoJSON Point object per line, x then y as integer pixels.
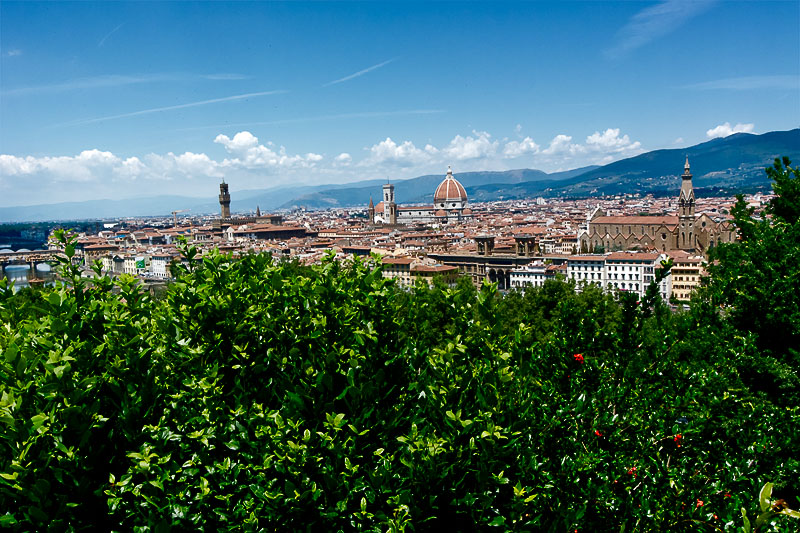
{"type": "Point", "coordinates": [224, 200]}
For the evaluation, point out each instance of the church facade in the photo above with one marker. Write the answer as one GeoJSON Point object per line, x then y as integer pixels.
{"type": "Point", "coordinates": [450, 204]}
{"type": "Point", "coordinates": [682, 231]}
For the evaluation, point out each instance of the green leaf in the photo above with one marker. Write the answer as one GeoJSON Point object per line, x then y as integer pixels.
{"type": "Point", "coordinates": [498, 521]}
{"type": "Point", "coordinates": [790, 512]}
{"type": "Point", "coordinates": [746, 521]}
{"type": "Point", "coordinates": [11, 352]}
{"type": "Point", "coordinates": [38, 420]}
{"type": "Point", "coordinates": [54, 298]}
{"type": "Point", "coordinates": [763, 497]}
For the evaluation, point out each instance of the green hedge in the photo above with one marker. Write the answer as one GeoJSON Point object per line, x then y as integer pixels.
{"type": "Point", "coordinates": [262, 395]}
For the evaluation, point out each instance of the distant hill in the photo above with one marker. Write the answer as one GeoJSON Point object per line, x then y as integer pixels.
{"type": "Point", "coordinates": [734, 163]}
{"type": "Point", "coordinates": [414, 190]}
{"type": "Point", "coordinates": [720, 166]}
{"type": "Point", "coordinates": [724, 166]}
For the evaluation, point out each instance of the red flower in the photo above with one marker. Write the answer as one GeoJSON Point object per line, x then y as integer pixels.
{"type": "Point", "coordinates": [728, 495]}
{"type": "Point", "coordinates": [598, 433]}
{"type": "Point", "coordinates": [578, 357]}
{"type": "Point", "coordinates": [699, 503]}
{"type": "Point", "coordinates": [678, 438]}
{"type": "Point", "coordinates": [632, 471]}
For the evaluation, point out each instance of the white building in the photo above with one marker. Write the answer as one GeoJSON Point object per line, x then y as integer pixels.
{"type": "Point", "coordinates": [532, 275]}
{"type": "Point", "coordinates": [160, 265]}
{"type": "Point", "coordinates": [588, 268]}
{"type": "Point", "coordinates": [621, 271]}
{"type": "Point", "coordinates": [633, 272]}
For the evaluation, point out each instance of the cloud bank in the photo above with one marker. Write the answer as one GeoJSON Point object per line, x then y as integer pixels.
{"type": "Point", "coordinates": [247, 162]}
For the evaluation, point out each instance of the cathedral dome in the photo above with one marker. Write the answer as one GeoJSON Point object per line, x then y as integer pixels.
{"type": "Point", "coordinates": [449, 190]}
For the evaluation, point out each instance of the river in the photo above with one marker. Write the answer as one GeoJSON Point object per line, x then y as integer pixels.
{"type": "Point", "coordinates": [22, 274]}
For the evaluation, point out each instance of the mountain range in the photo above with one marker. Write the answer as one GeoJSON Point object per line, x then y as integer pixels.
{"type": "Point", "coordinates": [720, 166]}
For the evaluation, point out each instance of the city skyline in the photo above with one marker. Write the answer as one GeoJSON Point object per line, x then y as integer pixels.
{"type": "Point", "coordinates": [114, 100]}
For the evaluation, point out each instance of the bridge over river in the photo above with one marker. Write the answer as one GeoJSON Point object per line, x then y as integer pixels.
{"type": "Point", "coordinates": [32, 258]}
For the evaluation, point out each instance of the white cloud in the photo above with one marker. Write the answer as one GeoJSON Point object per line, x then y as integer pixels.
{"type": "Point", "coordinates": [342, 160]}
{"type": "Point", "coordinates": [520, 148]}
{"type": "Point", "coordinates": [610, 141]}
{"type": "Point", "coordinates": [404, 154]}
{"type": "Point", "coordinates": [562, 144]}
{"type": "Point", "coordinates": [468, 147]}
{"type": "Point", "coordinates": [85, 166]}
{"type": "Point", "coordinates": [14, 52]}
{"type": "Point", "coordinates": [723, 130]}
{"type": "Point", "coordinates": [11, 165]}
{"type": "Point", "coordinates": [242, 141]}
{"type": "Point", "coordinates": [248, 153]}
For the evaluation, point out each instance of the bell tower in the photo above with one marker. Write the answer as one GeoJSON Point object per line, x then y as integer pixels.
{"type": "Point", "coordinates": [686, 210]}
{"type": "Point", "coordinates": [224, 200]}
{"type": "Point", "coordinates": [389, 207]}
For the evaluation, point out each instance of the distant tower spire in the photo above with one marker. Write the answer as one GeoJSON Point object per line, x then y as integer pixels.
{"type": "Point", "coordinates": [371, 210]}
{"type": "Point", "coordinates": [258, 211]}
{"type": "Point", "coordinates": [686, 210]}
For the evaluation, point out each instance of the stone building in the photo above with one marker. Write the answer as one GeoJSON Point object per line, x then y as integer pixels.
{"type": "Point", "coordinates": [683, 231]}
{"type": "Point", "coordinates": [687, 274]}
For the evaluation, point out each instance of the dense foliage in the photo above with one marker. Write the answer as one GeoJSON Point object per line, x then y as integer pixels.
{"type": "Point", "coordinates": [259, 394]}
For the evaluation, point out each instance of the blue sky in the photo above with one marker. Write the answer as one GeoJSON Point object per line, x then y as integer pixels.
{"type": "Point", "coordinates": [114, 100]}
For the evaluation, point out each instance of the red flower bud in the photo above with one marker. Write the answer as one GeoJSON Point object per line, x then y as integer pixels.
{"type": "Point", "coordinates": [598, 433]}
{"type": "Point", "coordinates": [578, 357]}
